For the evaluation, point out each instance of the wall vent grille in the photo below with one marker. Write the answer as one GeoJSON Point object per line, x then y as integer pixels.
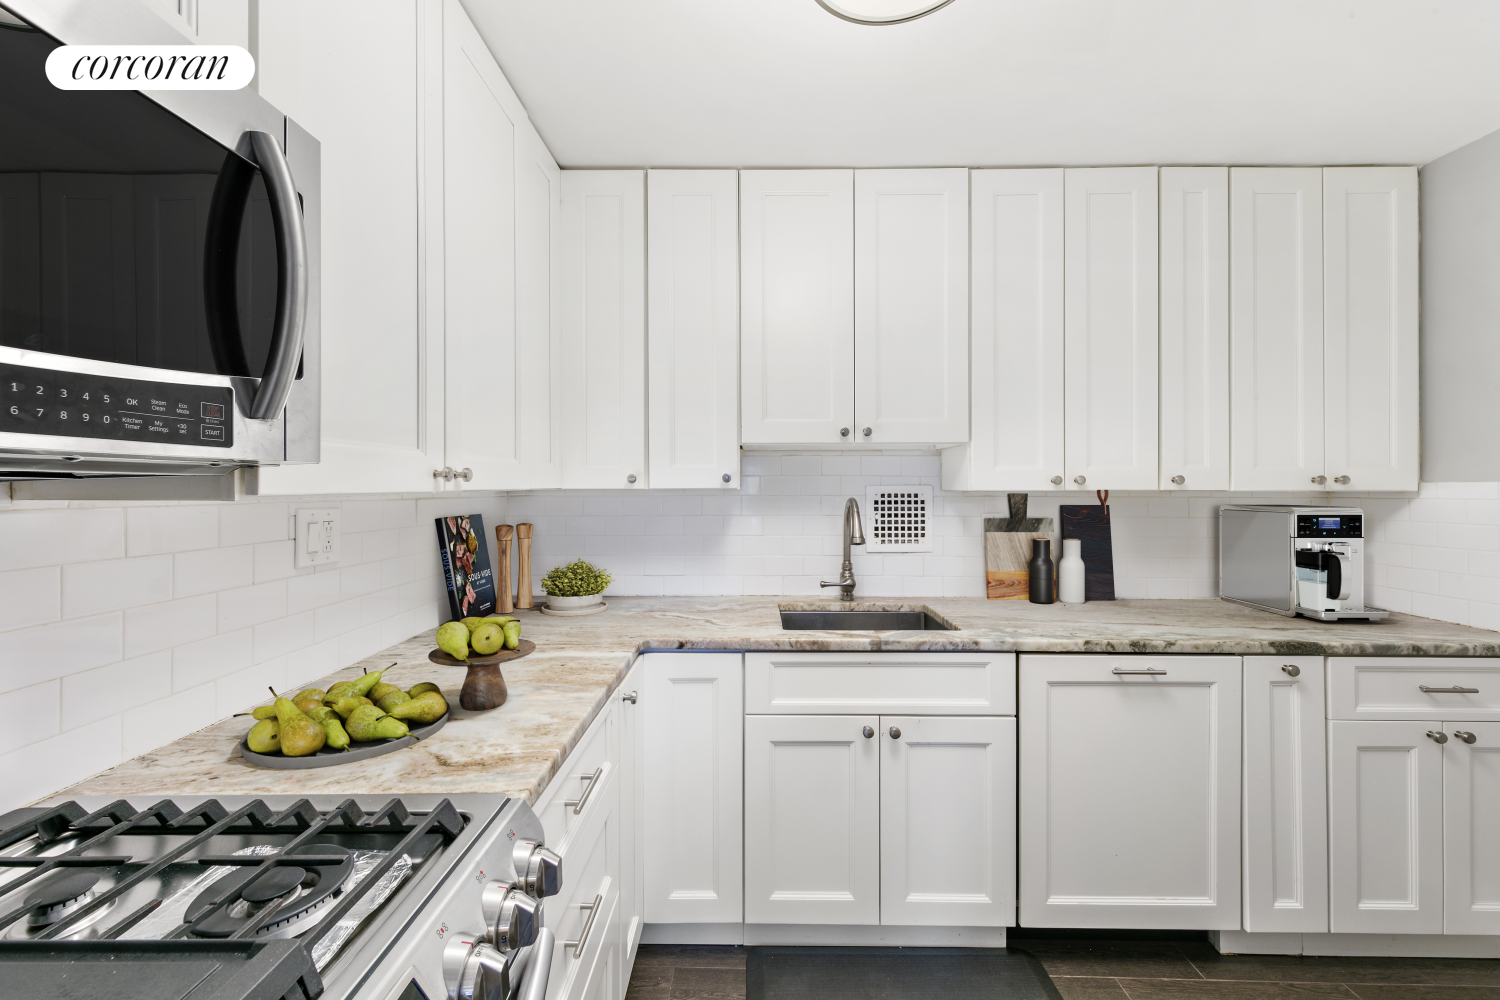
{"type": "Point", "coordinates": [896, 518]}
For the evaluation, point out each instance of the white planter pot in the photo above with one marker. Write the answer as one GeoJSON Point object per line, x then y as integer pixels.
{"type": "Point", "coordinates": [572, 603]}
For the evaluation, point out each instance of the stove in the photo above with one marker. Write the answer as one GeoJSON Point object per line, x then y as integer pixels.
{"type": "Point", "coordinates": [234, 898]}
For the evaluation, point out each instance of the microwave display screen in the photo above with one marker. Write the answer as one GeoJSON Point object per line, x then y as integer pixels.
{"type": "Point", "coordinates": [1324, 526]}
{"type": "Point", "coordinates": [1328, 522]}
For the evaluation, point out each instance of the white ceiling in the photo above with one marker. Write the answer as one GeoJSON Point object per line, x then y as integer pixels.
{"type": "Point", "coordinates": [1000, 82]}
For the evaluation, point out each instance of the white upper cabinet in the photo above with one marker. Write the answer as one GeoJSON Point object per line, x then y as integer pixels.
{"type": "Point", "coordinates": [604, 329]}
{"type": "Point", "coordinates": [1370, 316]}
{"type": "Point", "coordinates": [911, 306]}
{"type": "Point", "coordinates": [797, 306]}
{"type": "Point", "coordinates": [693, 328]}
{"type": "Point", "coordinates": [1016, 218]}
{"type": "Point", "coordinates": [1111, 328]}
{"type": "Point", "coordinates": [1276, 327]}
{"type": "Point", "coordinates": [538, 375]}
{"type": "Point", "coordinates": [1194, 328]}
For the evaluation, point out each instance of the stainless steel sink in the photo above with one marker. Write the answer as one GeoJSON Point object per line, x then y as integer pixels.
{"type": "Point", "coordinates": [864, 621]}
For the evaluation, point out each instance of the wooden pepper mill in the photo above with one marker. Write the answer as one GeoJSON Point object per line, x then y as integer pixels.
{"type": "Point", "coordinates": [523, 567]}
{"type": "Point", "coordinates": [503, 533]}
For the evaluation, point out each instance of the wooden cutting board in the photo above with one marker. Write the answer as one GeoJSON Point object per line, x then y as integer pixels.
{"type": "Point", "coordinates": [1090, 525]}
{"type": "Point", "coordinates": [1007, 551]}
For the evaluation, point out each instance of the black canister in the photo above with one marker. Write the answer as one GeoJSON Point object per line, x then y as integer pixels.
{"type": "Point", "coordinates": [1042, 573]}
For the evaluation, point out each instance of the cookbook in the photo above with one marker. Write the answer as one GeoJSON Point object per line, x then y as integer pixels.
{"type": "Point", "coordinates": [466, 566]}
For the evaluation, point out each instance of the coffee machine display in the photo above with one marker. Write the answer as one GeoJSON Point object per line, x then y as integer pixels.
{"type": "Point", "coordinates": [1305, 561]}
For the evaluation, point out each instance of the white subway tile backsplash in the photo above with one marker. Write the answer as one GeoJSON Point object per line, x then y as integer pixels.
{"type": "Point", "coordinates": [40, 768]}
{"type": "Point", "coordinates": [32, 714]}
{"type": "Point", "coordinates": [246, 606]}
{"type": "Point", "coordinates": [209, 570]}
{"type": "Point", "coordinates": [30, 597]}
{"type": "Point", "coordinates": [246, 524]}
{"type": "Point", "coordinates": [147, 727]}
{"type": "Point", "coordinates": [179, 528]}
{"type": "Point", "coordinates": [104, 691]}
{"type": "Point", "coordinates": [60, 536]}
{"type": "Point", "coordinates": [31, 655]}
{"type": "Point", "coordinates": [115, 584]}
{"type": "Point", "coordinates": [206, 660]}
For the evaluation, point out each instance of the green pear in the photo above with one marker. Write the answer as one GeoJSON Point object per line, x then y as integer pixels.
{"type": "Point", "coordinates": [429, 706]}
{"type": "Point", "coordinates": [500, 619]}
{"type": "Point", "coordinates": [346, 706]}
{"type": "Point", "coordinates": [487, 638]}
{"type": "Point", "coordinates": [320, 713]}
{"type": "Point", "coordinates": [417, 689]}
{"type": "Point", "coordinates": [470, 623]}
{"type": "Point", "coordinates": [300, 736]}
{"type": "Point", "coordinates": [334, 729]}
{"type": "Point", "coordinates": [391, 700]}
{"type": "Point", "coordinates": [453, 639]}
{"type": "Point", "coordinates": [317, 693]}
{"type": "Point", "coordinates": [512, 635]}
{"type": "Point", "coordinates": [368, 681]}
{"type": "Point", "coordinates": [306, 705]}
{"type": "Point", "coordinates": [339, 690]}
{"type": "Point", "coordinates": [369, 723]}
{"type": "Point", "coordinates": [380, 690]}
{"type": "Point", "coordinates": [264, 736]}
{"type": "Point", "coordinates": [265, 712]}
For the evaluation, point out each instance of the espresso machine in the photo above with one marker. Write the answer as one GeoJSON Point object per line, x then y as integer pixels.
{"type": "Point", "coordinates": [1305, 561]}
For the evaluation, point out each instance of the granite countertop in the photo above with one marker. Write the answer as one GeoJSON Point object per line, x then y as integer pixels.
{"type": "Point", "coordinates": [558, 690]}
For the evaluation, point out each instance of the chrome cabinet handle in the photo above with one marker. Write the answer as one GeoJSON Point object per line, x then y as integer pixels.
{"type": "Point", "coordinates": [467, 474]}
{"type": "Point", "coordinates": [1437, 737]}
{"type": "Point", "coordinates": [1341, 480]}
{"type": "Point", "coordinates": [1319, 480]}
{"type": "Point", "coordinates": [1179, 480]}
{"type": "Point", "coordinates": [1149, 670]}
{"type": "Point", "coordinates": [895, 733]}
{"type": "Point", "coordinates": [630, 478]}
{"type": "Point", "coordinates": [588, 790]}
{"type": "Point", "coordinates": [869, 733]}
{"type": "Point", "coordinates": [1292, 670]}
{"type": "Point", "coordinates": [726, 477]}
{"type": "Point", "coordinates": [628, 697]}
{"type": "Point", "coordinates": [583, 938]}
{"type": "Point", "coordinates": [1056, 480]}
{"type": "Point", "coordinates": [1455, 689]}
{"type": "Point", "coordinates": [843, 432]}
{"type": "Point", "coordinates": [1080, 480]}
{"type": "Point", "coordinates": [1466, 737]}
{"type": "Point", "coordinates": [866, 432]}
{"type": "Point", "coordinates": [291, 271]}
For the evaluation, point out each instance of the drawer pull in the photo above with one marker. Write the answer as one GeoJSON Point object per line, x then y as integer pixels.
{"type": "Point", "coordinates": [1466, 737]}
{"type": "Point", "coordinates": [588, 928]}
{"type": "Point", "coordinates": [583, 800]}
{"type": "Point", "coordinates": [1455, 689]}
{"type": "Point", "coordinates": [1292, 670]}
{"type": "Point", "coordinates": [1149, 670]}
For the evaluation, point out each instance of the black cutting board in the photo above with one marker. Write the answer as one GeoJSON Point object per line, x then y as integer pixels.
{"type": "Point", "coordinates": [1089, 523]}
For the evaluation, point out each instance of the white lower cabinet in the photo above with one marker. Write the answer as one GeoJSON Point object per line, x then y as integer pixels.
{"type": "Point", "coordinates": [1471, 828]}
{"type": "Point", "coordinates": [1130, 791]}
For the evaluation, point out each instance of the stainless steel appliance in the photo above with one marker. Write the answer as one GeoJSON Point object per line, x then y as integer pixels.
{"type": "Point", "coordinates": [1295, 560]}
{"type": "Point", "coordinates": [158, 266]}
{"type": "Point", "coordinates": [237, 898]}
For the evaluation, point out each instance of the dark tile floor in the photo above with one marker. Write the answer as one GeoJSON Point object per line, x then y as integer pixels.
{"type": "Point", "coordinates": [1130, 970]}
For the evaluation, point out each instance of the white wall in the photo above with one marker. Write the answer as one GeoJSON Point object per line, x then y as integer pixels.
{"type": "Point", "coordinates": [1461, 314]}
{"type": "Point", "coordinates": [126, 626]}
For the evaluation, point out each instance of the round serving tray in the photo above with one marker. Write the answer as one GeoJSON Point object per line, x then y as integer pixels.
{"type": "Point", "coordinates": [438, 656]}
{"type": "Point", "coordinates": [329, 757]}
{"type": "Point", "coordinates": [484, 687]}
{"type": "Point", "coordinates": [591, 609]}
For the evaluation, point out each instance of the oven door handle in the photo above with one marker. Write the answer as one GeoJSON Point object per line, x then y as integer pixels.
{"type": "Point", "coordinates": [534, 983]}
{"type": "Point", "coordinates": [291, 279]}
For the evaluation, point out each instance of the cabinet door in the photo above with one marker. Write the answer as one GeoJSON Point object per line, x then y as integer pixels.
{"type": "Point", "coordinates": [1385, 828]}
{"type": "Point", "coordinates": [694, 714]}
{"type": "Point", "coordinates": [1111, 334]}
{"type": "Point", "coordinates": [604, 328]}
{"type": "Point", "coordinates": [1130, 791]}
{"type": "Point", "coordinates": [1370, 327]}
{"type": "Point", "coordinates": [911, 306]}
{"type": "Point", "coordinates": [1016, 376]}
{"type": "Point", "coordinates": [947, 821]}
{"type": "Point", "coordinates": [1286, 796]}
{"type": "Point", "coordinates": [632, 810]}
{"type": "Point", "coordinates": [693, 328]}
{"type": "Point", "coordinates": [812, 835]}
{"type": "Point", "coordinates": [1471, 817]}
{"type": "Point", "coordinates": [1194, 328]}
{"type": "Point", "coordinates": [1275, 327]}
{"type": "Point", "coordinates": [538, 375]}
{"type": "Point", "coordinates": [480, 124]}
{"type": "Point", "coordinates": [796, 306]}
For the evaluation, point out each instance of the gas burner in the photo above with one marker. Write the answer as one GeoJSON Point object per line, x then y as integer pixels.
{"type": "Point", "coordinates": [57, 899]}
{"type": "Point", "coordinates": [278, 899]}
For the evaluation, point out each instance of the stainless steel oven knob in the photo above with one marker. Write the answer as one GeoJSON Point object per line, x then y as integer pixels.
{"type": "Point", "coordinates": [472, 970]}
{"type": "Point", "coordinates": [538, 869]}
{"type": "Point", "coordinates": [511, 917]}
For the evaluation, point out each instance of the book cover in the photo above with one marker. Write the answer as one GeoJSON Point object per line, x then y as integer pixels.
{"type": "Point", "coordinates": [466, 566]}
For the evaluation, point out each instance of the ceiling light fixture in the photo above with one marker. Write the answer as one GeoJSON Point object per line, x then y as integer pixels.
{"type": "Point", "coordinates": [881, 11]}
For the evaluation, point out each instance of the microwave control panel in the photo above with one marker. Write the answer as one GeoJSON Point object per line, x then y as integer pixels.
{"type": "Point", "coordinates": [70, 404]}
{"type": "Point", "coordinates": [1330, 526]}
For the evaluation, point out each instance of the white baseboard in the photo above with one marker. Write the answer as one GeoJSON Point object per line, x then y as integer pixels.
{"type": "Point", "coordinates": [693, 934]}
{"type": "Point", "coordinates": [875, 935]}
{"type": "Point", "coordinates": [1358, 945]}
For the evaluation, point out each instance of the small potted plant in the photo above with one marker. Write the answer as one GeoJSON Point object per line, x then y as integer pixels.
{"type": "Point", "coordinates": [578, 585]}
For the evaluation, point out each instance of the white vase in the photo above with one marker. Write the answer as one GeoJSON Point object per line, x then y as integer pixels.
{"type": "Point", "coordinates": [1070, 578]}
{"type": "Point", "coordinates": [572, 603]}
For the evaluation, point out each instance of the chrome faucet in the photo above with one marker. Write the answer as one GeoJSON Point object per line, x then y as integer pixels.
{"type": "Point", "coordinates": [854, 534]}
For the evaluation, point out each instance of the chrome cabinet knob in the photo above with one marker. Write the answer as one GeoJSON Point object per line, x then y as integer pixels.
{"type": "Point", "coordinates": [511, 918]}
{"type": "Point", "coordinates": [539, 869]}
{"type": "Point", "coordinates": [630, 478]}
{"type": "Point", "coordinates": [466, 475]}
{"type": "Point", "coordinates": [726, 477]}
{"type": "Point", "coordinates": [1292, 670]}
{"type": "Point", "coordinates": [472, 970]}
{"type": "Point", "coordinates": [895, 733]}
{"type": "Point", "coordinates": [843, 432]}
{"type": "Point", "coordinates": [1466, 737]}
{"type": "Point", "coordinates": [1437, 737]}
{"type": "Point", "coordinates": [1342, 480]}
{"type": "Point", "coordinates": [866, 432]}
{"type": "Point", "coordinates": [628, 697]}
{"type": "Point", "coordinates": [1079, 480]}
{"type": "Point", "coordinates": [1057, 480]}
{"type": "Point", "coordinates": [445, 474]}
{"type": "Point", "coordinates": [869, 733]}
{"type": "Point", "coordinates": [1319, 480]}
{"type": "Point", "coordinates": [1179, 480]}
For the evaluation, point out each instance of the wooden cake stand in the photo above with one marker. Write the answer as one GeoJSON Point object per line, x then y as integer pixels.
{"type": "Point", "coordinates": [484, 688]}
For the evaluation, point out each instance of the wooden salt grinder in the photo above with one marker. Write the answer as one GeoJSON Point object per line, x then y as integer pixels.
{"type": "Point", "coordinates": [523, 567]}
{"type": "Point", "coordinates": [503, 533]}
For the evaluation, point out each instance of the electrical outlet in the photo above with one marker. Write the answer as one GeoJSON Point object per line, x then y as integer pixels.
{"type": "Point", "coordinates": [317, 536]}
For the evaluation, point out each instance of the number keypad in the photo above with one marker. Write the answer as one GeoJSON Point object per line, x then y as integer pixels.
{"type": "Point", "coordinates": [68, 404]}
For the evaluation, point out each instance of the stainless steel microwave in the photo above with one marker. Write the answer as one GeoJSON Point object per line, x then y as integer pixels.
{"type": "Point", "coordinates": [159, 260]}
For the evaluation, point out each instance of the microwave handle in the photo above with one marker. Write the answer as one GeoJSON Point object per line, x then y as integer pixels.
{"type": "Point", "coordinates": [291, 279]}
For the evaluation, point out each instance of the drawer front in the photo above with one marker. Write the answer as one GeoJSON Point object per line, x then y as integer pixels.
{"type": "Point", "coordinates": [1390, 688]}
{"type": "Point", "coordinates": [599, 747]}
{"type": "Point", "coordinates": [880, 683]}
{"type": "Point", "coordinates": [591, 867]}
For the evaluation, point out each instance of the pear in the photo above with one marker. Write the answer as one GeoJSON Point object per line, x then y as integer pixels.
{"type": "Point", "coordinates": [265, 736]}
{"type": "Point", "coordinates": [453, 639]}
{"type": "Point", "coordinates": [470, 623]}
{"type": "Point", "coordinates": [265, 712]}
{"type": "Point", "coordinates": [346, 706]}
{"type": "Point", "coordinates": [320, 713]}
{"type": "Point", "coordinates": [334, 729]}
{"type": "Point", "coordinates": [300, 736]}
{"type": "Point", "coordinates": [368, 681]}
{"type": "Point", "coordinates": [500, 619]}
{"type": "Point", "coordinates": [339, 690]}
{"type": "Point", "coordinates": [317, 693]}
{"type": "Point", "coordinates": [487, 638]}
{"type": "Point", "coordinates": [417, 689]}
{"type": "Point", "coordinates": [391, 700]}
{"type": "Point", "coordinates": [306, 705]}
{"type": "Point", "coordinates": [380, 690]}
{"type": "Point", "coordinates": [429, 706]}
{"type": "Point", "coordinates": [369, 723]}
{"type": "Point", "coordinates": [512, 635]}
